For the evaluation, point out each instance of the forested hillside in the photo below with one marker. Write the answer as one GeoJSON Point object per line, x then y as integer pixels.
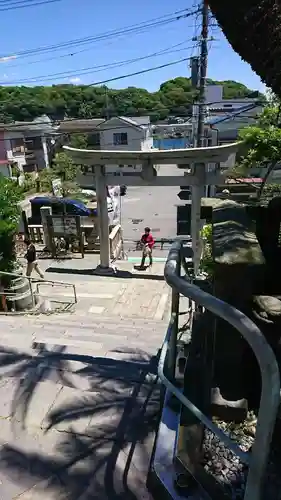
{"type": "Point", "coordinates": [174, 97]}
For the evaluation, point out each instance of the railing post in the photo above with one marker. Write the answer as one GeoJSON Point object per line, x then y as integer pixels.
{"type": "Point", "coordinates": [174, 335]}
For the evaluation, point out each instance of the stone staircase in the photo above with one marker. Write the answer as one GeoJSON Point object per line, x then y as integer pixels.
{"type": "Point", "coordinates": [84, 388]}
{"type": "Point", "coordinates": [98, 335]}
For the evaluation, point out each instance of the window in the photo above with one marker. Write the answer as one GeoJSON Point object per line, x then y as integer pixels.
{"type": "Point", "coordinates": [57, 208]}
{"type": "Point", "coordinates": [33, 143]}
{"type": "Point", "coordinates": [71, 209]}
{"type": "Point", "coordinates": [17, 146]}
{"type": "Point", "coordinates": [120, 139]}
{"type": "Point", "coordinates": [94, 139]}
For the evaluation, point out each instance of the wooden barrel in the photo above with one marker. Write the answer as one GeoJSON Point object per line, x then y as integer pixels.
{"type": "Point", "coordinates": [22, 298]}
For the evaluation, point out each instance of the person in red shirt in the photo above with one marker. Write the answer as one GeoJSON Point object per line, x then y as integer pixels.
{"type": "Point", "coordinates": [148, 244]}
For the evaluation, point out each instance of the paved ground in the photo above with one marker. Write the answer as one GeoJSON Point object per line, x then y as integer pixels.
{"type": "Point", "coordinates": [151, 206]}
{"type": "Point", "coordinates": [79, 392]}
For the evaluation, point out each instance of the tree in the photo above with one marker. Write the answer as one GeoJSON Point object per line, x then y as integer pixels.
{"type": "Point", "coordinates": [67, 171]}
{"type": "Point", "coordinates": [263, 144]}
{"type": "Point", "coordinates": [78, 101]}
{"type": "Point", "coordinates": [10, 195]}
{"type": "Point", "coordinates": [256, 39]}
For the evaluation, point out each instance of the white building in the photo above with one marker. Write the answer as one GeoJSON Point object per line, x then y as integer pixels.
{"type": "Point", "coordinates": [122, 134]}
{"type": "Point", "coordinates": [26, 145]}
{"type": "Point", "coordinates": [131, 134]}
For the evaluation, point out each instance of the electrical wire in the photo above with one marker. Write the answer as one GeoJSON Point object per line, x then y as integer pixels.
{"type": "Point", "coordinates": [23, 5]}
{"type": "Point", "coordinates": [160, 21]}
{"type": "Point", "coordinates": [98, 68]}
{"type": "Point", "coordinates": [69, 54]}
{"type": "Point", "coordinates": [135, 73]}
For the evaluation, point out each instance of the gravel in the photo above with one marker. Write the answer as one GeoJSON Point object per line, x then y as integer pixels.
{"type": "Point", "coordinates": [228, 469]}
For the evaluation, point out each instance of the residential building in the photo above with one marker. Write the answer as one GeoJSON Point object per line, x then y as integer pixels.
{"type": "Point", "coordinates": [122, 133]}
{"type": "Point", "coordinates": [26, 145]}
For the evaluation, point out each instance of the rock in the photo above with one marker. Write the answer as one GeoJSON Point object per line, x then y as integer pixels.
{"type": "Point", "coordinates": [229, 411]}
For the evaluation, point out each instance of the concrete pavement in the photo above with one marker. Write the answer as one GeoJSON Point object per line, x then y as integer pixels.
{"type": "Point", "coordinates": [79, 391]}
{"type": "Point", "coordinates": [151, 206]}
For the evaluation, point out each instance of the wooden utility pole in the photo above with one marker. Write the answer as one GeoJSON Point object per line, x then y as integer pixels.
{"type": "Point", "coordinates": [203, 73]}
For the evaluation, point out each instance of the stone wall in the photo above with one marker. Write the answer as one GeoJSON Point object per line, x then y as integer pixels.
{"type": "Point", "coordinates": [239, 273]}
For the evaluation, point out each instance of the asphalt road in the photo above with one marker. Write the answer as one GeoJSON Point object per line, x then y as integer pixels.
{"type": "Point", "coordinates": [150, 206]}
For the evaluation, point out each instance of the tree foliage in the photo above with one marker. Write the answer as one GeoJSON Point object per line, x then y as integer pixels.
{"type": "Point", "coordinates": [262, 143]}
{"type": "Point", "coordinates": [174, 97]}
{"type": "Point", "coordinates": [253, 30]}
{"type": "Point", "coordinates": [10, 196]}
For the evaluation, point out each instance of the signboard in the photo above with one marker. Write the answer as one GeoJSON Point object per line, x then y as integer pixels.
{"type": "Point", "coordinates": [114, 194]}
{"type": "Point", "coordinates": [65, 225]}
{"type": "Point", "coordinates": [57, 188]}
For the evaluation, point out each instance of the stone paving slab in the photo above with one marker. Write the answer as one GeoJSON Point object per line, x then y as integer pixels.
{"type": "Point", "coordinates": [79, 397]}
{"type": "Point", "coordinates": [132, 293]}
{"type": "Point", "coordinates": [100, 432]}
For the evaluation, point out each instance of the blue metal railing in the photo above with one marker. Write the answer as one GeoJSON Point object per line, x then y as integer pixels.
{"type": "Point", "coordinates": [270, 394]}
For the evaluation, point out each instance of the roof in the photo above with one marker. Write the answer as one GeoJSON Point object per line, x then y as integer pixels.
{"type": "Point", "coordinates": [41, 123]}
{"type": "Point", "coordinates": [80, 125]}
{"type": "Point", "coordinates": [54, 199]}
{"type": "Point", "coordinates": [258, 39]}
{"type": "Point", "coordinates": [139, 122]}
{"type": "Point", "coordinates": [213, 120]}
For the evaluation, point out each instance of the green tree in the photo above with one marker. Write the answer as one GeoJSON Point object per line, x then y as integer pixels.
{"type": "Point", "coordinates": [67, 171]}
{"type": "Point", "coordinates": [10, 195]}
{"type": "Point", "coordinates": [263, 145]}
{"type": "Point", "coordinates": [79, 101]}
{"type": "Point", "coordinates": [79, 141]}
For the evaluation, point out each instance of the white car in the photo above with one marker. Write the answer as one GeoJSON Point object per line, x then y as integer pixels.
{"type": "Point", "coordinates": [91, 194]}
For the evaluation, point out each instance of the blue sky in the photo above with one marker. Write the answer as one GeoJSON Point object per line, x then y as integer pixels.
{"type": "Point", "coordinates": [33, 27]}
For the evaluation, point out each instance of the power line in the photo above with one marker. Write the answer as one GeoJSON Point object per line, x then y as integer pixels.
{"type": "Point", "coordinates": [69, 54]}
{"type": "Point", "coordinates": [23, 5]}
{"type": "Point", "coordinates": [160, 21]}
{"type": "Point", "coordinates": [95, 69]}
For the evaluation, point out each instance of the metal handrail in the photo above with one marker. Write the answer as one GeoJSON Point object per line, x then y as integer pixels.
{"type": "Point", "coordinates": [39, 282]}
{"type": "Point", "coordinates": [270, 394]}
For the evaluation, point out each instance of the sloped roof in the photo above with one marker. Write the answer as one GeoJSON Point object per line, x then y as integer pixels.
{"type": "Point", "coordinates": [253, 28]}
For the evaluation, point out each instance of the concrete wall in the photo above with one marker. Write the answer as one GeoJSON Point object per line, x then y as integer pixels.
{"type": "Point", "coordinates": [138, 139]}
{"type": "Point", "coordinates": [40, 154]}
{"type": "Point", "coordinates": [135, 135]}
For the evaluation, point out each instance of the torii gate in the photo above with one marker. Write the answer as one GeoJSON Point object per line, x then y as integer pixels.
{"type": "Point", "coordinates": [194, 162]}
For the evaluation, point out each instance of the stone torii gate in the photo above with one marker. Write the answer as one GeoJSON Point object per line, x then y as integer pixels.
{"type": "Point", "coordinates": [194, 162]}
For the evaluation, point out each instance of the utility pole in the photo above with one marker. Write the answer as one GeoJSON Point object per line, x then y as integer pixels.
{"type": "Point", "coordinates": [107, 114]}
{"type": "Point", "coordinates": [203, 73]}
{"type": "Point", "coordinates": [199, 190]}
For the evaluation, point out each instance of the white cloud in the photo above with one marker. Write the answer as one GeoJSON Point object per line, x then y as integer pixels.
{"type": "Point", "coordinates": [7, 58]}
{"type": "Point", "coordinates": [75, 80]}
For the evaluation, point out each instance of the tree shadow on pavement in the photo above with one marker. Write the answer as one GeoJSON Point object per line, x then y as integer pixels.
{"type": "Point", "coordinates": [109, 458]}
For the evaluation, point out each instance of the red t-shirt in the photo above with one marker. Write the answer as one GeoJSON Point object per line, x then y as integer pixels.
{"type": "Point", "coordinates": [147, 239]}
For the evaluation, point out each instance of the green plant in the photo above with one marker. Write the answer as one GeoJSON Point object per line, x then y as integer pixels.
{"type": "Point", "coordinates": [207, 263]}
{"type": "Point", "coordinates": [46, 177]}
{"type": "Point", "coordinates": [29, 183]}
{"type": "Point", "coordinates": [10, 195]}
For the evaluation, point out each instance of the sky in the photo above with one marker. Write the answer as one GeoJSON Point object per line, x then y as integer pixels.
{"type": "Point", "coordinates": [57, 22]}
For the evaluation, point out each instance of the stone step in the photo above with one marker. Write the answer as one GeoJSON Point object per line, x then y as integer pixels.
{"type": "Point", "coordinates": [84, 320]}
{"type": "Point", "coordinates": [98, 338]}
